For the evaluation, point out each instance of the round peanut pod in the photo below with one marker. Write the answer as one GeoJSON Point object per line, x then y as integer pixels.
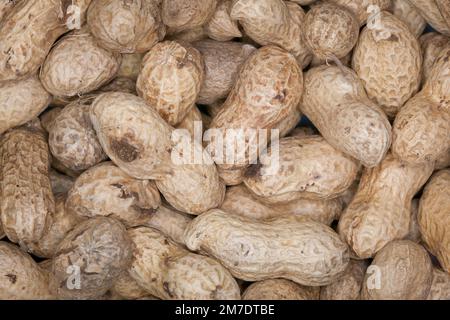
{"type": "Point", "coordinates": [330, 30]}
{"type": "Point", "coordinates": [440, 286]}
{"type": "Point", "coordinates": [307, 167]}
{"type": "Point", "coordinates": [432, 44]}
{"type": "Point", "coordinates": [170, 79]}
{"type": "Point", "coordinates": [380, 211]}
{"type": "Point", "coordinates": [90, 258]}
{"type": "Point", "coordinates": [347, 287]}
{"type": "Point", "coordinates": [390, 80]}
{"type": "Point", "coordinates": [289, 247]}
{"type": "Point", "coordinates": [21, 277]}
{"type": "Point", "coordinates": [130, 65]}
{"type": "Point", "coordinates": [117, 195]}
{"type": "Point", "coordinates": [48, 116]}
{"type": "Point", "coordinates": [402, 270]}
{"type": "Point", "coordinates": [77, 65]}
{"type": "Point", "coordinates": [127, 288]}
{"type": "Point", "coordinates": [126, 26]}
{"type": "Point", "coordinates": [273, 22]}
{"type": "Point", "coordinates": [181, 15]}
{"type": "Point", "coordinates": [61, 183]}
{"type": "Point", "coordinates": [223, 61]}
{"type": "Point", "coordinates": [266, 94]}
{"type": "Point", "coordinates": [21, 101]}
{"type": "Point", "coordinates": [434, 217]}
{"type": "Point", "coordinates": [28, 33]}
{"type": "Point", "coordinates": [410, 15]}
{"type": "Point", "coordinates": [192, 122]}
{"type": "Point", "coordinates": [335, 101]}
{"type": "Point", "coordinates": [365, 10]}
{"type": "Point", "coordinates": [239, 200]}
{"type": "Point", "coordinates": [221, 26]}
{"type": "Point", "coordinates": [231, 177]}
{"type": "Point", "coordinates": [433, 14]}
{"type": "Point", "coordinates": [279, 289]}
{"type": "Point", "coordinates": [72, 139]}
{"type": "Point", "coordinates": [168, 271]}
{"type": "Point", "coordinates": [26, 197]}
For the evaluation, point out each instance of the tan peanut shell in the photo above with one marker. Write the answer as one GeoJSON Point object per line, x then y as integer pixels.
{"type": "Point", "coordinates": [402, 270]}
{"type": "Point", "coordinates": [289, 247]}
{"type": "Point", "coordinates": [432, 44]}
{"type": "Point", "coordinates": [279, 289]}
{"type": "Point", "coordinates": [381, 208]}
{"type": "Point", "coordinates": [410, 15]}
{"type": "Point", "coordinates": [192, 121]}
{"type": "Point", "coordinates": [48, 116]}
{"type": "Point", "coordinates": [127, 288]}
{"type": "Point", "coordinates": [221, 26]}
{"type": "Point", "coordinates": [5, 7]}
{"type": "Point", "coordinates": [168, 271]}
{"type": "Point", "coordinates": [437, 86]}
{"type": "Point", "coordinates": [316, 61]}
{"type": "Point", "coordinates": [181, 15]}
{"type": "Point", "coordinates": [100, 250]}
{"type": "Point", "coordinates": [335, 101]}
{"type": "Point", "coordinates": [414, 229]}
{"type": "Point", "coordinates": [444, 8]}
{"type": "Point", "coordinates": [170, 79]}
{"type": "Point", "coordinates": [440, 286]}
{"type": "Point", "coordinates": [58, 166]}
{"type": "Point", "coordinates": [126, 26]}
{"type": "Point", "coordinates": [239, 200]}
{"type": "Point", "coordinates": [433, 14]}
{"type": "Point", "coordinates": [28, 33]}
{"type": "Point", "coordinates": [117, 195]}
{"type": "Point", "coordinates": [72, 139]}
{"type": "Point", "coordinates": [443, 161]}
{"type": "Point", "coordinates": [362, 8]}
{"type": "Point", "coordinates": [119, 84]}
{"type": "Point", "coordinates": [274, 22]}
{"type": "Point", "coordinates": [231, 177]}
{"type": "Point", "coordinates": [223, 60]}
{"type": "Point", "coordinates": [130, 65]}
{"type": "Point", "coordinates": [330, 30]}
{"type": "Point", "coordinates": [307, 167]}
{"type": "Point", "coordinates": [21, 101]}
{"type": "Point", "coordinates": [26, 201]}
{"type": "Point", "coordinates": [77, 65]}
{"type": "Point", "coordinates": [389, 79]}
{"type": "Point", "coordinates": [21, 278]}
{"type": "Point", "coordinates": [434, 217]}
{"type": "Point", "coordinates": [302, 132]}
{"type": "Point", "coordinates": [348, 286]}
{"type": "Point", "coordinates": [265, 95]}
{"type": "Point", "coordinates": [303, 2]}
{"type": "Point", "coordinates": [189, 36]}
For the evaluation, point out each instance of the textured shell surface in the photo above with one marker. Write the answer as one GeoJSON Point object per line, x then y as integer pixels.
{"type": "Point", "coordinates": [72, 139]}
{"type": "Point", "coordinates": [48, 116]}
{"type": "Point", "coordinates": [289, 247]}
{"type": "Point", "coordinates": [118, 84]}
{"type": "Point", "coordinates": [181, 15]}
{"type": "Point", "coordinates": [170, 79]}
{"type": "Point", "coordinates": [6, 6]}
{"type": "Point", "coordinates": [433, 14]}
{"type": "Point", "coordinates": [432, 43]}
{"type": "Point", "coordinates": [130, 65]}
{"type": "Point", "coordinates": [437, 86]}
{"type": "Point", "coordinates": [106, 190]}
{"type": "Point", "coordinates": [100, 249]}
{"type": "Point", "coordinates": [389, 79]}
{"type": "Point", "coordinates": [26, 200]}
{"type": "Point", "coordinates": [361, 8]}
{"type": "Point", "coordinates": [127, 288]}
{"type": "Point", "coordinates": [189, 36]}
{"type": "Point", "coordinates": [191, 122]}
{"type": "Point", "coordinates": [440, 286]}
{"type": "Point", "coordinates": [402, 270]}
{"type": "Point", "coordinates": [410, 15]}
{"type": "Point", "coordinates": [380, 210]}
{"type": "Point", "coordinates": [77, 65]}
{"type": "Point", "coordinates": [168, 271]}
{"type": "Point", "coordinates": [308, 167]}
{"type": "Point", "coordinates": [221, 26]}
{"type": "Point", "coordinates": [434, 217]}
{"type": "Point", "coordinates": [335, 101]}
{"type": "Point", "coordinates": [21, 101]}
{"type": "Point", "coordinates": [414, 229]}
{"type": "Point", "coordinates": [126, 26]}
{"type": "Point", "coordinates": [279, 289]}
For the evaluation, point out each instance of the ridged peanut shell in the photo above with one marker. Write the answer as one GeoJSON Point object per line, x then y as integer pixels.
{"type": "Point", "coordinates": [361, 7]}
{"type": "Point", "coordinates": [181, 15]}
{"type": "Point", "coordinates": [130, 65]}
{"type": "Point", "coordinates": [279, 289]}
{"type": "Point", "coordinates": [437, 86]}
{"type": "Point", "coordinates": [440, 286]}
{"type": "Point", "coordinates": [432, 44]}
{"type": "Point", "coordinates": [410, 15]}
{"type": "Point", "coordinates": [192, 122]}
{"type": "Point", "coordinates": [433, 14]}
{"type": "Point", "coordinates": [221, 26]}
{"type": "Point", "coordinates": [127, 288]}
{"type": "Point", "coordinates": [6, 7]}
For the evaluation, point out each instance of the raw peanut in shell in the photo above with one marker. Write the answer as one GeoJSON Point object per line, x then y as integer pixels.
{"type": "Point", "coordinates": [126, 26]}
{"type": "Point", "coordinates": [181, 15]}
{"type": "Point", "coordinates": [443, 161]}
{"type": "Point", "coordinates": [192, 119]}
{"type": "Point", "coordinates": [335, 101]}
{"type": "Point", "coordinates": [170, 79]}
{"type": "Point", "coordinates": [440, 286]}
{"type": "Point", "coordinates": [127, 288]}
{"type": "Point", "coordinates": [402, 270]}
{"type": "Point", "coordinates": [410, 15]}
{"type": "Point", "coordinates": [365, 10]}
{"type": "Point", "coordinates": [6, 7]}
{"type": "Point", "coordinates": [223, 60]}
{"type": "Point", "coordinates": [302, 132]}
{"type": "Point", "coordinates": [444, 8]}
{"type": "Point", "coordinates": [72, 139]}
{"type": "Point", "coordinates": [21, 101]}
{"type": "Point", "coordinates": [330, 31]}
{"type": "Point", "coordinates": [303, 2]}
{"type": "Point", "coordinates": [414, 229]}
{"type": "Point", "coordinates": [21, 278]}
{"type": "Point", "coordinates": [265, 95]}
{"type": "Point", "coordinates": [221, 26]}
{"type": "Point", "coordinates": [28, 33]}
{"type": "Point", "coordinates": [77, 65]}
{"type": "Point", "coordinates": [273, 22]}
{"type": "Point", "coordinates": [389, 79]}
{"type": "Point", "coordinates": [437, 86]}
{"type": "Point", "coordinates": [232, 177]}
{"type": "Point", "coordinates": [307, 167]}
{"type": "Point", "coordinates": [130, 65]}
{"type": "Point", "coordinates": [289, 247]}
{"type": "Point", "coordinates": [189, 36]}
{"type": "Point", "coordinates": [168, 271]}
{"type": "Point", "coordinates": [117, 195]}
{"type": "Point", "coordinates": [119, 84]}
{"type": "Point", "coordinates": [48, 116]}
{"type": "Point", "coordinates": [381, 209]}
{"type": "Point", "coordinates": [347, 287]}
{"type": "Point", "coordinates": [433, 14]}
{"type": "Point", "coordinates": [100, 249]}
{"type": "Point", "coordinates": [432, 44]}
{"type": "Point", "coordinates": [279, 289]}
{"type": "Point", "coordinates": [345, 61]}
{"type": "Point", "coordinates": [27, 202]}
{"type": "Point", "coordinates": [434, 217]}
